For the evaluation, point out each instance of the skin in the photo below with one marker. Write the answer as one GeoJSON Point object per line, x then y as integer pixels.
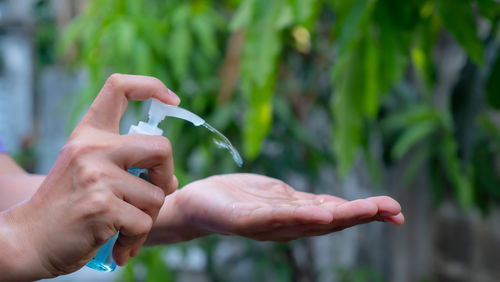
{"type": "Point", "coordinates": [88, 196]}
{"type": "Point", "coordinates": [262, 208]}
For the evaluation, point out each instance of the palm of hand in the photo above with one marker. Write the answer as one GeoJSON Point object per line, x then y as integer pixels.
{"type": "Point", "coordinates": [264, 208]}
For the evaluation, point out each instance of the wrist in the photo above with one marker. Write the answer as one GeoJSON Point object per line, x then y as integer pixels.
{"type": "Point", "coordinates": [173, 224]}
{"type": "Point", "coordinates": [19, 260]}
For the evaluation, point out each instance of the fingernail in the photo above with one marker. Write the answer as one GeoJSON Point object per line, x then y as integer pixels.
{"type": "Point", "coordinates": [174, 96]}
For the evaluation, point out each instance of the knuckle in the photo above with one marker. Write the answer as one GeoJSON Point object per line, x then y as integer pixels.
{"type": "Point", "coordinates": [162, 149]}
{"type": "Point", "coordinates": [170, 187]}
{"type": "Point", "coordinates": [102, 235]}
{"type": "Point", "coordinates": [157, 198]}
{"type": "Point", "coordinates": [385, 199]}
{"type": "Point", "coordinates": [71, 150]}
{"type": "Point", "coordinates": [89, 175]}
{"type": "Point", "coordinates": [145, 226]}
{"type": "Point", "coordinates": [163, 146]}
{"type": "Point", "coordinates": [98, 203]}
{"type": "Point", "coordinates": [75, 150]}
{"type": "Point", "coordinates": [158, 84]}
{"type": "Point", "coordinates": [114, 81]}
{"type": "Point", "coordinates": [175, 185]}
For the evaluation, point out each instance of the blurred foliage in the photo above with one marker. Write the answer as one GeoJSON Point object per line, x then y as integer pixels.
{"type": "Point", "coordinates": [360, 274]}
{"type": "Point", "coordinates": [276, 75]}
{"type": "Point", "coordinates": [237, 55]}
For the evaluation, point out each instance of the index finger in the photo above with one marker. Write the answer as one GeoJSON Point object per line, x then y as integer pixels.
{"type": "Point", "coordinates": [112, 101]}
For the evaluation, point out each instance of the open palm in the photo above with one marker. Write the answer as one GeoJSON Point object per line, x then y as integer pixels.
{"type": "Point", "coordinates": [264, 208]}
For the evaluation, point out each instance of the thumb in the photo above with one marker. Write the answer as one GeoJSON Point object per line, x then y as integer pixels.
{"type": "Point", "coordinates": [112, 101]}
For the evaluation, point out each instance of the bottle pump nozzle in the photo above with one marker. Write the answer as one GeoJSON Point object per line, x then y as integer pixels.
{"type": "Point", "coordinates": [157, 112]}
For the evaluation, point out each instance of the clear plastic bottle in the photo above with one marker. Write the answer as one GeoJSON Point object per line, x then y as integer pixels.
{"type": "Point", "coordinates": [103, 260]}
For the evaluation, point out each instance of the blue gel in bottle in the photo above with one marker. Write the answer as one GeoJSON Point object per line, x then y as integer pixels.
{"type": "Point", "coordinates": [103, 260]}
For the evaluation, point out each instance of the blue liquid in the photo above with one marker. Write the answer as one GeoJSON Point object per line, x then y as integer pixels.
{"type": "Point", "coordinates": [103, 260]}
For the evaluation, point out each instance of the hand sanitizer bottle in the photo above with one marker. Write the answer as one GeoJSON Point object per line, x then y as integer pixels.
{"type": "Point", "coordinates": [103, 260]}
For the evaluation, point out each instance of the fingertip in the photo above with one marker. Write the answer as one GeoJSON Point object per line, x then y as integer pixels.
{"type": "Point", "coordinates": [397, 220]}
{"type": "Point", "coordinates": [134, 252]}
{"type": "Point", "coordinates": [167, 96]}
{"type": "Point", "coordinates": [174, 98]}
{"type": "Point", "coordinates": [120, 255]}
{"type": "Point", "coordinates": [386, 205]}
{"type": "Point", "coordinates": [175, 183]}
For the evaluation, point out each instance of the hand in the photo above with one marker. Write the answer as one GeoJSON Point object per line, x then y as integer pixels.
{"type": "Point", "coordinates": [88, 195]}
{"type": "Point", "coordinates": [262, 208]}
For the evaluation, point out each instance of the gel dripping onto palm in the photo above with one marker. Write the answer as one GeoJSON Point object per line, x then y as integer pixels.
{"type": "Point", "coordinates": [225, 143]}
{"type": "Point", "coordinates": [158, 111]}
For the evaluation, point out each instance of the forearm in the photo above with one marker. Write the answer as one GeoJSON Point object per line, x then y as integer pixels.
{"type": "Point", "coordinates": [18, 259]}
{"type": "Point", "coordinates": [16, 185]}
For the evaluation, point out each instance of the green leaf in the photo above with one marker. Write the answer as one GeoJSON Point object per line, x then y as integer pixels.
{"type": "Point", "coordinates": [342, 9]}
{"type": "Point", "coordinates": [355, 81]}
{"type": "Point", "coordinates": [126, 35]}
{"type": "Point", "coordinates": [142, 58]}
{"type": "Point", "coordinates": [257, 126]}
{"type": "Point", "coordinates": [424, 39]}
{"type": "Point", "coordinates": [180, 43]}
{"type": "Point", "coordinates": [493, 85]}
{"type": "Point", "coordinates": [305, 11]}
{"type": "Point", "coordinates": [71, 35]}
{"type": "Point", "coordinates": [459, 20]}
{"type": "Point", "coordinates": [285, 18]}
{"type": "Point", "coordinates": [371, 77]}
{"type": "Point", "coordinates": [460, 179]}
{"type": "Point", "coordinates": [392, 44]}
{"type": "Point", "coordinates": [242, 17]}
{"type": "Point", "coordinates": [355, 24]}
{"type": "Point", "coordinates": [355, 98]}
{"type": "Point", "coordinates": [416, 162]}
{"type": "Point", "coordinates": [489, 8]}
{"type": "Point", "coordinates": [408, 117]}
{"type": "Point", "coordinates": [260, 55]}
{"type": "Point", "coordinates": [412, 136]}
{"type": "Point", "coordinates": [490, 127]}
{"type": "Point", "coordinates": [204, 32]}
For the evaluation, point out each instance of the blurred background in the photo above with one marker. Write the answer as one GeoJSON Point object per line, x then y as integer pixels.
{"type": "Point", "coordinates": [347, 97]}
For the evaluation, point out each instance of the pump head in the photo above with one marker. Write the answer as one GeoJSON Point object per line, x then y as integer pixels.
{"type": "Point", "coordinates": [157, 112]}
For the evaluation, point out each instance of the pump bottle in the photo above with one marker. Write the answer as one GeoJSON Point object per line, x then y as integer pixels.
{"type": "Point", "coordinates": [103, 260]}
